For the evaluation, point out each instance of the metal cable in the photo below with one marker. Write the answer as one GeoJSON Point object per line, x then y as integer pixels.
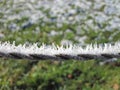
{"type": "Point", "coordinates": [44, 52]}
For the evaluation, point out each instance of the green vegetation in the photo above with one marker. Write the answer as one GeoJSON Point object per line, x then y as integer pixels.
{"type": "Point", "coordinates": [54, 75]}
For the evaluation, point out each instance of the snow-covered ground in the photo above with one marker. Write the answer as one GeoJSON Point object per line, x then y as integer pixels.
{"type": "Point", "coordinates": [96, 14]}
{"type": "Point", "coordinates": [62, 17]}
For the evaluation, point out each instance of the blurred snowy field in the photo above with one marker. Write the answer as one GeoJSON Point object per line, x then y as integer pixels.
{"type": "Point", "coordinates": [75, 17]}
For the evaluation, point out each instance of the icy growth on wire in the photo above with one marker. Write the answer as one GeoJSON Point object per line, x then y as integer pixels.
{"type": "Point", "coordinates": [52, 50]}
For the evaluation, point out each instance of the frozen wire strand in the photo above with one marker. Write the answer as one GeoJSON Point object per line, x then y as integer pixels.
{"type": "Point", "coordinates": [45, 52]}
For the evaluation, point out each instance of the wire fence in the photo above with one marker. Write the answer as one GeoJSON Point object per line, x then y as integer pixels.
{"type": "Point", "coordinates": [103, 52]}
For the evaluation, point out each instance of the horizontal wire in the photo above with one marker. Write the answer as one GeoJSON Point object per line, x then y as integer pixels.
{"type": "Point", "coordinates": [44, 52]}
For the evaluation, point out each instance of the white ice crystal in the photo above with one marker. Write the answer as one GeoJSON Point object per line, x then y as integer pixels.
{"type": "Point", "coordinates": [71, 49]}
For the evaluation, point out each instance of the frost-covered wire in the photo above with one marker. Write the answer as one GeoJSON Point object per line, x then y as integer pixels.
{"type": "Point", "coordinates": [54, 52]}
